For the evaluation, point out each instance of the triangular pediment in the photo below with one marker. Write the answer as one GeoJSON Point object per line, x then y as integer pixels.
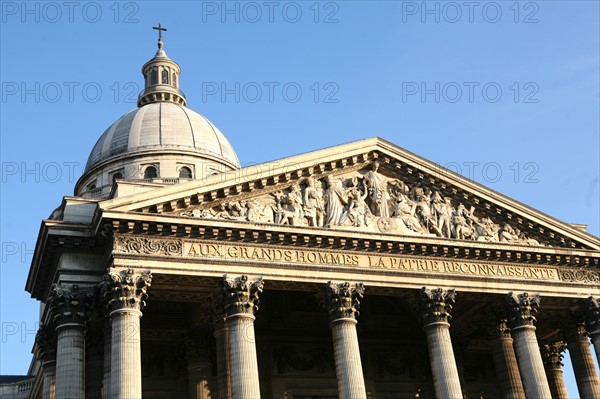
{"type": "Point", "coordinates": [366, 186]}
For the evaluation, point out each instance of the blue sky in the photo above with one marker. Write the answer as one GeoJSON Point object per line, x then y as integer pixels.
{"type": "Point", "coordinates": [506, 93]}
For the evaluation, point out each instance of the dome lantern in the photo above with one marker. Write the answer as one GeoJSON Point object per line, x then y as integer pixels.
{"type": "Point", "coordinates": [161, 76]}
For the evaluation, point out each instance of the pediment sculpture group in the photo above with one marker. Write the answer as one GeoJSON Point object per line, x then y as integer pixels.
{"type": "Point", "coordinates": [367, 201]}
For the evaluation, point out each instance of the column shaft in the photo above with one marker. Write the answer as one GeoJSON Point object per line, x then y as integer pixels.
{"type": "Point", "coordinates": [70, 355]}
{"type": "Point", "coordinates": [596, 341]}
{"type": "Point", "coordinates": [94, 371]}
{"type": "Point", "coordinates": [443, 365]}
{"type": "Point", "coordinates": [586, 376]}
{"type": "Point", "coordinates": [242, 351]}
{"type": "Point", "coordinates": [556, 382]}
{"type": "Point", "coordinates": [107, 360]}
{"type": "Point", "coordinates": [530, 362]}
{"type": "Point", "coordinates": [48, 388]}
{"type": "Point", "coordinates": [591, 311]}
{"type": "Point", "coordinates": [126, 360]}
{"type": "Point", "coordinates": [507, 369]}
{"type": "Point", "coordinates": [348, 367]}
{"type": "Point", "coordinates": [198, 380]}
{"type": "Point", "coordinates": [223, 371]}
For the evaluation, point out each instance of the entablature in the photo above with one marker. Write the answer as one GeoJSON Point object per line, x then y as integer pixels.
{"type": "Point", "coordinates": [211, 251]}
{"type": "Point", "coordinates": [339, 239]}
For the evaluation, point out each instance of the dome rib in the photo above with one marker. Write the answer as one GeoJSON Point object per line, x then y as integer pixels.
{"type": "Point", "coordinates": [191, 127]}
{"type": "Point", "coordinates": [213, 129]}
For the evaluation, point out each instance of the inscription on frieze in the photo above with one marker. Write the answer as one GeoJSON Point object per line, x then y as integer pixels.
{"type": "Point", "coordinates": [246, 253]}
{"type": "Point", "coordinates": [226, 252]}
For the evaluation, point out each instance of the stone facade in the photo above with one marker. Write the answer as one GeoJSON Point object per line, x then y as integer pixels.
{"type": "Point", "coordinates": [154, 291]}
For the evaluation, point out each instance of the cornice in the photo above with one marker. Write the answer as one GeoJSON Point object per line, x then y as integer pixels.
{"type": "Point", "coordinates": [323, 238]}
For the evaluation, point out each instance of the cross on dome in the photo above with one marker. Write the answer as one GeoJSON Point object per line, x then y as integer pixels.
{"type": "Point", "coordinates": [160, 30]}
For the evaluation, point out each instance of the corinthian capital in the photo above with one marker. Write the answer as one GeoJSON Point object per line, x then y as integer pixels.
{"type": "Point", "coordinates": [342, 300]}
{"type": "Point", "coordinates": [498, 329]}
{"type": "Point", "coordinates": [521, 309]}
{"type": "Point", "coordinates": [436, 305]}
{"type": "Point", "coordinates": [591, 311]}
{"type": "Point", "coordinates": [70, 305]}
{"type": "Point", "coordinates": [45, 343]}
{"type": "Point", "coordinates": [241, 295]}
{"type": "Point", "coordinates": [552, 355]}
{"type": "Point", "coordinates": [126, 289]}
{"type": "Point", "coordinates": [574, 330]}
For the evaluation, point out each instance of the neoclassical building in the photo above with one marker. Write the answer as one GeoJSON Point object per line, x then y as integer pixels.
{"type": "Point", "coordinates": [380, 275]}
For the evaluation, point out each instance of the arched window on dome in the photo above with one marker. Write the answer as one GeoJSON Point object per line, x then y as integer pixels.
{"type": "Point", "coordinates": [150, 173]}
{"type": "Point", "coordinates": [185, 173]}
{"type": "Point", "coordinates": [154, 76]}
{"type": "Point", "coordinates": [117, 176]}
{"type": "Point", "coordinates": [165, 77]}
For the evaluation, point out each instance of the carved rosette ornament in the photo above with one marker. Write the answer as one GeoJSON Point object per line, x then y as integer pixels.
{"type": "Point", "coordinates": [150, 246]}
{"type": "Point", "coordinates": [435, 305]}
{"type": "Point", "coordinates": [126, 289]}
{"type": "Point", "coordinates": [591, 311]}
{"type": "Point", "coordinates": [342, 300]}
{"type": "Point", "coordinates": [579, 275]}
{"type": "Point", "coordinates": [45, 343]}
{"type": "Point", "coordinates": [521, 309]}
{"type": "Point", "coordinates": [552, 355]}
{"type": "Point", "coordinates": [70, 305]}
{"type": "Point", "coordinates": [240, 295]}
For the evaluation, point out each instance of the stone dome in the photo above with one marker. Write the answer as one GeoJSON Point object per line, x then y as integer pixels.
{"type": "Point", "coordinates": [160, 142]}
{"type": "Point", "coordinates": [161, 127]}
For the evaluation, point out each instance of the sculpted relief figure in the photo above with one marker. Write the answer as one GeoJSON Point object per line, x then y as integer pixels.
{"type": "Point", "coordinates": [336, 200]}
{"type": "Point", "coordinates": [486, 230]}
{"type": "Point", "coordinates": [258, 212]}
{"type": "Point", "coordinates": [369, 201]}
{"type": "Point", "coordinates": [376, 185]}
{"type": "Point", "coordinates": [358, 210]}
{"type": "Point", "coordinates": [289, 207]}
{"type": "Point", "coordinates": [313, 203]}
{"type": "Point", "coordinates": [508, 234]}
{"type": "Point", "coordinates": [461, 223]}
{"type": "Point", "coordinates": [405, 209]}
{"type": "Point", "coordinates": [426, 216]}
{"type": "Point", "coordinates": [443, 211]}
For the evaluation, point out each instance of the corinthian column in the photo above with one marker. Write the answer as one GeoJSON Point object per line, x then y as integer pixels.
{"type": "Point", "coordinates": [199, 367]}
{"type": "Point", "coordinates": [241, 299]}
{"type": "Point", "coordinates": [586, 376]}
{"type": "Point", "coordinates": [70, 308]}
{"type": "Point", "coordinates": [342, 301]}
{"type": "Point", "coordinates": [217, 319]}
{"type": "Point", "coordinates": [552, 358]}
{"type": "Point", "coordinates": [94, 362]}
{"type": "Point", "coordinates": [45, 344]}
{"type": "Point", "coordinates": [591, 309]}
{"type": "Point", "coordinates": [125, 291]}
{"type": "Point", "coordinates": [505, 361]}
{"type": "Point", "coordinates": [107, 331]}
{"type": "Point", "coordinates": [435, 307]}
{"type": "Point", "coordinates": [521, 310]}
